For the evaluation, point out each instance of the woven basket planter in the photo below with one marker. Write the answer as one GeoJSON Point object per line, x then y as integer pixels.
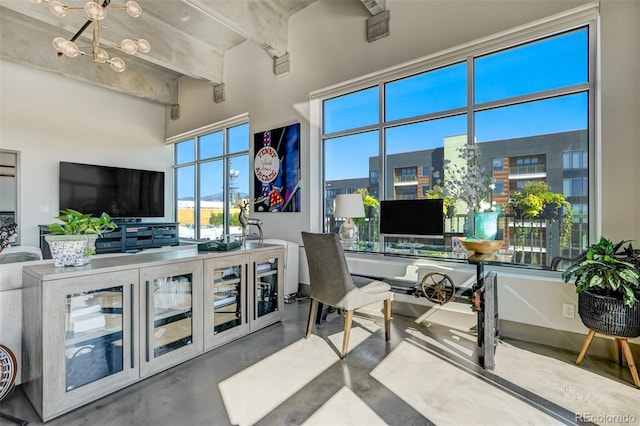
{"type": "Point", "coordinates": [609, 315]}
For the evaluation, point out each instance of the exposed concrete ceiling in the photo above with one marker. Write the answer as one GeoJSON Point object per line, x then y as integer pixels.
{"type": "Point", "coordinates": [188, 38]}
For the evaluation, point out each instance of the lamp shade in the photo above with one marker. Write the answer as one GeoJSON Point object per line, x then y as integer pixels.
{"type": "Point", "coordinates": [349, 205]}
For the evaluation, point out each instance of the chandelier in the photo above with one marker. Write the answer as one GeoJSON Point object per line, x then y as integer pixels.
{"type": "Point", "coordinates": [96, 13]}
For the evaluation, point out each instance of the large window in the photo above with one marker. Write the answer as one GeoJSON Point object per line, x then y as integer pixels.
{"type": "Point", "coordinates": [211, 176]}
{"type": "Point", "coordinates": [527, 105]}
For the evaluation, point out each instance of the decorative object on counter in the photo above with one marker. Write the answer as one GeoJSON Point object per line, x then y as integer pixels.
{"type": "Point", "coordinates": [246, 221]}
{"type": "Point", "coordinates": [480, 246]}
{"type": "Point", "coordinates": [349, 206]}
{"type": "Point", "coordinates": [486, 225]}
{"type": "Point", "coordinates": [72, 242]}
{"type": "Point", "coordinates": [607, 280]}
{"type": "Point", "coordinates": [223, 244]}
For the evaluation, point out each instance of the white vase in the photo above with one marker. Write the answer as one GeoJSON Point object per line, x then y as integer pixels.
{"type": "Point", "coordinates": [71, 250]}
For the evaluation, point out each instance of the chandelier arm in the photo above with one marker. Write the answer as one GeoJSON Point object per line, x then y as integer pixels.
{"type": "Point", "coordinates": [105, 3]}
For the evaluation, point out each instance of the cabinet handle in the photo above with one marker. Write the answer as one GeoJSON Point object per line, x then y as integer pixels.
{"type": "Point", "coordinates": [132, 323]}
{"type": "Point", "coordinates": [148, 336]}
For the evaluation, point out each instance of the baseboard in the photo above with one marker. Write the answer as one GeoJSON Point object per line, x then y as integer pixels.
{"type": "Point", "coordinates": [601, 345]}
{"type": "Point", "coordinates": [409, 306]}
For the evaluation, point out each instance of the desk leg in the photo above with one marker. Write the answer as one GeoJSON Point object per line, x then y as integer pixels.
{"type": "Point", "coordinates": [319, 313]}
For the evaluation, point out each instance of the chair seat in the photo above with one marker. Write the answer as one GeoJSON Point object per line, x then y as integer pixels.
{"type": "Point", "coordinates": [370, 286]}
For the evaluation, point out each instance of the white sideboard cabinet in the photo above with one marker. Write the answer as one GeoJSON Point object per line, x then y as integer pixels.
{"type": "Point", "coordinates": [92, 330]}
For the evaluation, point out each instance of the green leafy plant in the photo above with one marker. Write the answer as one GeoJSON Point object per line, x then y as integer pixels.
{"type": "Point", "coordinates": [613, 269]}
{"type": "Point", "coordinates": [536, 200]}
{"type": "Point", "coordinates": [76, 223]}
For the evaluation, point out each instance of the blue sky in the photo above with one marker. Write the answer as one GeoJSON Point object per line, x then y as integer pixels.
{"type": "Point", "coordinates": [548, 64]}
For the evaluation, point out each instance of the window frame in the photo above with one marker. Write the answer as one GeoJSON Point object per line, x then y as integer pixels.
{"type": "Point", "coordinates": [580, 17]}
{"type": "Point", "coordinates": [221, 126]}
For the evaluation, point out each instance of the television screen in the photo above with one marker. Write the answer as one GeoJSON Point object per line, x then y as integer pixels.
{"type": "Point", "coordinates": [412, 217]}
{"type": "Point", "coordinates": [120, 192]}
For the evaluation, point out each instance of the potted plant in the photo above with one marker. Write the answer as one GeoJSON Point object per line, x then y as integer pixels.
{"type": "Point", "coordinates": [469, 183]}
{"type": "Point", "coordinates": [607, 279]}
{"type": "Point", "coordinates": [72, 242]}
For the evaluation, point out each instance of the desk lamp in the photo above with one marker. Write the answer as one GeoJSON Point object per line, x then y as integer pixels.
{"type": "Point", "coordinates": [348, 206]}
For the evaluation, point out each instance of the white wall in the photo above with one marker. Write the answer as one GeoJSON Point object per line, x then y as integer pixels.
{"type": "Point", "coordinates": [50, 118]}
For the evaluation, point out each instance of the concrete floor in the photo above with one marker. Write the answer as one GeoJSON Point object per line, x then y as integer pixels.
{"type": "Point", "coordinates": [428, 374]}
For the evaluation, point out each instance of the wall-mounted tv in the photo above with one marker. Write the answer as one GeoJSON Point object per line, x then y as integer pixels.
{"type": "Point", "coordinates": [120, 192]}
{"type": "Point", "coordinates": [412, 218]}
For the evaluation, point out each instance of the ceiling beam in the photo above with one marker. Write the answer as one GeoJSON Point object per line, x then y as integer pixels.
{"type": "Point", "coordinates": [258, 21]}
{"type": "Point", "coordinates": [28, 42]}
{"type": "Point", "coordinates": [170, 48]}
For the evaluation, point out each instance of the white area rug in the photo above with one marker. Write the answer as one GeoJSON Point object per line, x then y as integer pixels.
{"type": "Point", "coordinates": [344, 408]}
{"type": "Point", "coordinates": [252, 393]}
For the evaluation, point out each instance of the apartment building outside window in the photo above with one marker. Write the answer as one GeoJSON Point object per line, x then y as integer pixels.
{"type": "Point", "coordinates": [526, 104]}
{"type": "Point", "coordinates": [211, 175]}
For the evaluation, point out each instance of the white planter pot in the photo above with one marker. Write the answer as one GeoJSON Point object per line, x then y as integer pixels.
{"type": "Point", "coordinates": [70, 250]}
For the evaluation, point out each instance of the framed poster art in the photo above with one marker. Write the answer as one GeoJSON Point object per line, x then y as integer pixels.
{"type": "Point", "coordinates": [276, 167]}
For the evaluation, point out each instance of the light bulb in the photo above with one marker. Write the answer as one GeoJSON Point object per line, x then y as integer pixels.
{"type": "Point", "coordinates": [117, 64]}
{"type": "Point", "coordinates": [94, 11]}
{"type": "Point", "coordinates": [58, 44]}
{"type": "Point", "coordinates": [58, 9]}
{"type": "Point", "coordinates": [36, 1]}
{"type": "Point", "coordinates": [102, 56]}
{"type": "Point", "coordinates": [128, 46]}
{"type": "Point", "coordinates": [133, 8]}
{"type": "Point", "coordinates": [70, 49]}
{"type": "Point", "coordinates": [66, 47]}
{"type": "Point", "coordinates": [143, 45]}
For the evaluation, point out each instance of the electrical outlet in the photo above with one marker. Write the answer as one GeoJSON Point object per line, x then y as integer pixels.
{"type": "Point", "coordinates": [568, 310]}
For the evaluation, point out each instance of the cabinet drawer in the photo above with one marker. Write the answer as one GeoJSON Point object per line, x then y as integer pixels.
{"type": "Point", "coordinates": [134, 242]}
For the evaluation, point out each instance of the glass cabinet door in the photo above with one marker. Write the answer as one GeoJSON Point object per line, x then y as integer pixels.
{"type": "Point", "coordinates": [225, 306]}
{"type": "Point", "coordinates": [172, 311]}
{"type": "Point", "coordinates": [89, 335]}
{"type": "Point", "coordinates": [227, 293]}
{"type": "Point", "coordinates": [171, 314]}
{"type": "Point", "coordinates": [267, 286]}
{"type": "Point", "coordinates": [94, 327]}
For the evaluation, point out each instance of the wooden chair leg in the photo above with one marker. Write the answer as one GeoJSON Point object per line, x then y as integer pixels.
{"type": "Point", "coordinates": [585, 347]}
{"type": "Point", "coordinates": [312, 315]}
{"type": "Point", "coordinates": [347, 332]}
{"type": "Point", "coordinates": [630, 361]}
{"type": "Point", "coordinates": [387, 320]}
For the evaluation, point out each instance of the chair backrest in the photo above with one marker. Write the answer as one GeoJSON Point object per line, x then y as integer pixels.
{"type": "Point", "coordinates": [329, 276]}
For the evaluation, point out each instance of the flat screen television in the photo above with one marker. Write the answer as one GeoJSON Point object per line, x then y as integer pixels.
{"type": "Point", "coordinates": [412, 218]}
{"type": "Point", "coordinates": [120, 192]}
